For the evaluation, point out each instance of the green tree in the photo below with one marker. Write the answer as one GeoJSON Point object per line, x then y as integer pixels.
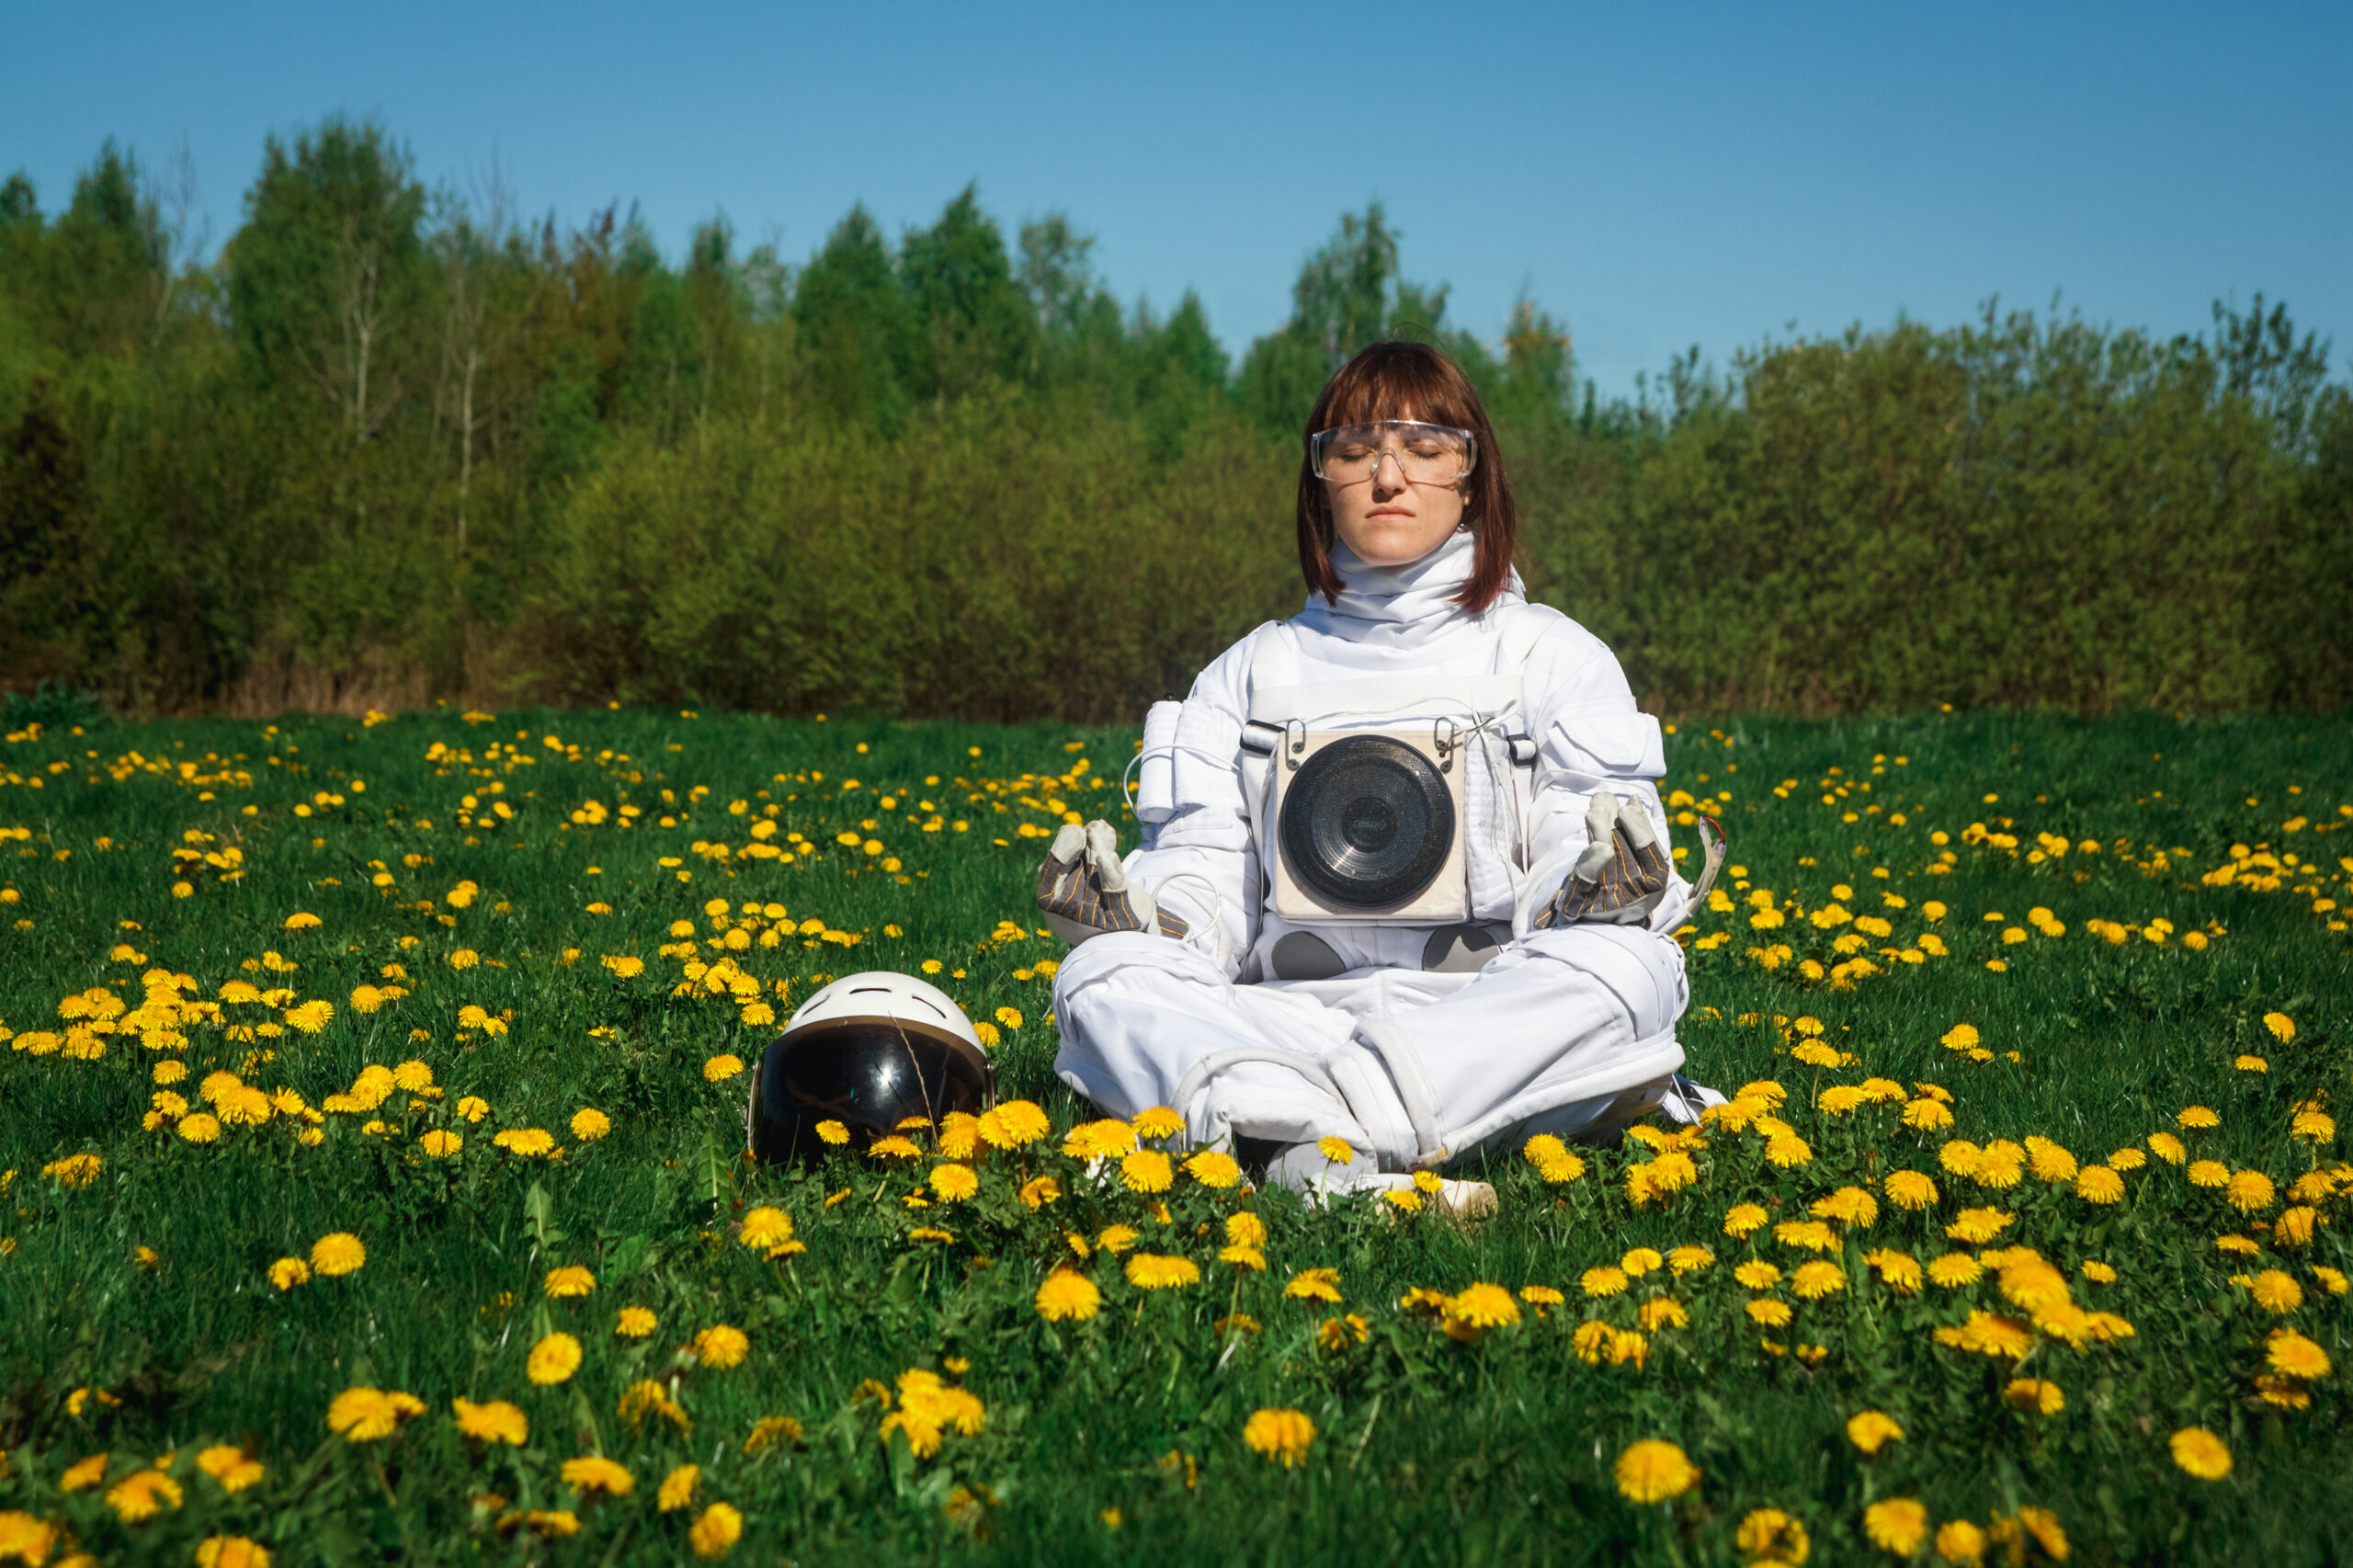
{"type": "Point", "coordinates": [327, 275]}
{"type": "Point", "coordinates": [855, 326]}
{"type": "Point", "coordinates": [972, 320]}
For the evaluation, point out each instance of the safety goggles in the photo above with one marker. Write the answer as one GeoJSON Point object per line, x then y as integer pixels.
{"type": "Point", "coordinates": [1423, 454]}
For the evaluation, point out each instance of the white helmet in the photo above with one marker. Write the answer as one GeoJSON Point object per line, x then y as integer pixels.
{"type": "Point", "coordinates": [868, 1051]}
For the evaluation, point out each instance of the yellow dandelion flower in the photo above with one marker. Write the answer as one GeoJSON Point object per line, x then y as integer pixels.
{"type": "Point", "coordinates": [1334, 1150]}
{"type": "Point", "coordinates": [2168, 1147]}
{"type": "Point", "coordinates": [289, 1272]}
{"type": "Point", "coordinates": [553, 1359]}
{"type": "Point", "coordinates": [1156, 1272]}
{"type": "Point", "coordinates": [525, 1143]}
{"type": "Point", "coordinates": [2100, 1185]}
{"type": "Point", "coordinates": [226, 1552]}
{"type": "Point", "coordinates": [2048, 1162]}
{"type": "Point", "coordinates": [1540, 1296]}
{"type": "Point", "coordinates": [2209, 1174]}
{"type": "Point", "coordinates": [1978, 1226]}
{"type": "Point", "coordinates": [1641, 1261]}
{"type": "Point", "coordinates": [722, 1067]}
{"type": "Point", "coordinates": [1768, 1535]}
{"type": "Point", "coordinates": [2195, 1117]}
{"type": "Point", "coordinates": [721, 1346]}
{"type": "Point", "coordinates": [2282, 1027]}
{"type": "Point", "coordinates": [441, 1143]}
{"type": "Point", "coordinates": [1314, 1285]}
{"type": "Point", "coordinates": [1742, 1219]}
{"type": "Point", "coordinates": [1146, 1170]}
{"type": "Point", "coordinates": [1871, 1430]}
{"type": "Point", "coordinates": [715, 1533]}
{"type": "Point", "coordinates": [593, 1474]}
{"type": "Point", "coordinates": [1214, 1168]}
{"type": "Point", "coordinates": [954, 1183]}
{"type": "Point", "coordinates": [1604, 1280]}
{"type": "Point", "coordinates": [588, 1125]}
{"type": "Point", "coordinates": [234, 1468]}
{"type": "Point", "coordinates": [1014, 1124]}
{"type": "Point", "coordinates": [1985, 1334]}
{"type": "Point", "coordinates": [1283, 1435]}
{"type": "Point", "coordinates": [1896, 1525]}
{"type": "Point", "coordinates": [338, 1253]}
{"type": "Point", "coordinates": [1099, 1140]}
{"type": "Point", "coordinates": [1157, 1121]}
{"type": "Point", "coordinates": [1246, 1228]}
{"type": "Point", "coordinates": [1928, 1115]}
{"type": "Point", "coordinates": [496, 1422]}
{"type": "Point", "coordinates": [2036, 1396]}
{"type": "Point", "coordinates": [365, 1415]}
{"type": "Point", "coordinates": [1959, 1542]}
{"type": "Point", "coordinates": [1115, 1239]}
{"type": "Point", "coordinates": [1482, 1306]}
{"type": "Point", "coordinates": [634, 1322]}
{"type": "Point", "coordinates": [1689, 1259]}
{"type": "Point", "coordinates": [1241, 1254]}
{"type": "Point", "coordinates": [1899, 1271]}
{"type": "Point", "coordinates": [1068, 1296]}
{"type": "Point", "coordinates": [1662, 1312]}
{"type": "Point", "coordinates": [2250, 1192]}
{"type": "Point", "coordinates": [1768, 1312]}
{"type": "Point", "coordinates": [1654, 1470]}
{"type": "Point", "coordinates": [143, 1495]}
{"type": "Point", "coordinates": [1817, 1278]}
{"type": "Point", "coordinates": [569, 1281]}
{"type": "Point", "coordinates": [1758, 1275]}
{"type": "Point", "coordinates": [1911, 1189]}
{"type": "Point", "coordinates": [2275, 1291]}
{"type": "Point", "coordinates": [2292, 1355]}
{"type": "Point", "coordinates": [1811, 1235]}
{"type": "Point", "coordinates": [767, 1230]}
{"type": "Point", "coordinates": [1039, 1191]}
{"type": "Point", "coordinates": [2200, 1452]}
{"type": "Point", "coordinates": [677, 1488]}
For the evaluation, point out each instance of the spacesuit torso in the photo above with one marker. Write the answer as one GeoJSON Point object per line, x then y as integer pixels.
{"type": "Point", "coordinates": [1518, 714]}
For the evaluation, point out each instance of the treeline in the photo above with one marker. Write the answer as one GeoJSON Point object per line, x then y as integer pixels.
{"type": "Point", "coordinates": [393, 443]}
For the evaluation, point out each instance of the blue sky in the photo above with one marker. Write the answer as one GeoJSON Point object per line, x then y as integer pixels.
{"type": "Point", "coordinates": [1658, 176]}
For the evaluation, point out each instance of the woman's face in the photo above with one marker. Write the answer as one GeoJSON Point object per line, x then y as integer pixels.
{"type": "Point", "coordinates": [1389, 521]}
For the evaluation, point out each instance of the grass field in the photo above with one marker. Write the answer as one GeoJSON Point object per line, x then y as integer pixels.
{"type": "Point", "coordinates": [469, 990]}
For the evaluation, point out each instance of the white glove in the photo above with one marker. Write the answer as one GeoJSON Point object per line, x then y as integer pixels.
{"type": "Point", "coordinates": [1622, 874]}
{"type": "Point", "coordinates": [1084, 891]}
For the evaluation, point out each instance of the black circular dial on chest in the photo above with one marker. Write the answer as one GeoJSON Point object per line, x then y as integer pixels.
{"type": "Point", "coordinates": [1367, 823]}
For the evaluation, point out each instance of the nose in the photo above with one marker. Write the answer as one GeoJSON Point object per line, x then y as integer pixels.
{"type": "Point", "coordinates": [1387, 456]}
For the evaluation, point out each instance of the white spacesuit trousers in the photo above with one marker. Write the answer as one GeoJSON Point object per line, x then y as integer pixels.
{"type": "Point", "coordinates": [1568, 1031]}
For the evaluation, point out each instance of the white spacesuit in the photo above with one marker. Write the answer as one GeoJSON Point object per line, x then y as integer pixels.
{"type": "Point", "coordinates": [1416, 1037]}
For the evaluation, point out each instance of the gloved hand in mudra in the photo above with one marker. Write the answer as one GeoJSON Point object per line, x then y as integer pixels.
{"type": "Point", "coordinates": [1622, 874]}
{"type": "Point", "coordinates": [1083, 890]}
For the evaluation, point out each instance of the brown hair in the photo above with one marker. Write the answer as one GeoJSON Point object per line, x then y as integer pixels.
{"type": "Point", "coordinates": [1393, 380]}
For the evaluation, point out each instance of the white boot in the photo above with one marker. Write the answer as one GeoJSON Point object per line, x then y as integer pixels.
{"type": "Point", "coordinates": [1308, 1171]}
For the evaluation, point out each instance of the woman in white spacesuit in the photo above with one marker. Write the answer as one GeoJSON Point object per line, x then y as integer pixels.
{"type": "Point", "coordinates": [1403, 880]}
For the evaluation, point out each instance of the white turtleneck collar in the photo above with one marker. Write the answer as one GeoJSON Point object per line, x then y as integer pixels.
{"type": "Point", "coordinates": [1395, 609]}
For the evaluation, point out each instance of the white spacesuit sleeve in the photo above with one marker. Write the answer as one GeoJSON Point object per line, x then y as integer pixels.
{"type": "Point", "coordinates": [1589, 736]}
{"type": "Point", "coordinates": [1203, 865]}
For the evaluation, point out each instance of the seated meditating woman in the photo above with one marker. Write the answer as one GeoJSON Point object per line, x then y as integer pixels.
{"type": "Point", "coordinates": [1404, 892]}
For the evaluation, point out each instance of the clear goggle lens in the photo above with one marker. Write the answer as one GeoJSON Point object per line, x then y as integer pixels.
{"type": "Point", "coordinates": [1425, 454]}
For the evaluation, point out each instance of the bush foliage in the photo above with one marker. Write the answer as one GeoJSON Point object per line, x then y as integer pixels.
{"type": "Point", "coordinates": [395, 443]}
